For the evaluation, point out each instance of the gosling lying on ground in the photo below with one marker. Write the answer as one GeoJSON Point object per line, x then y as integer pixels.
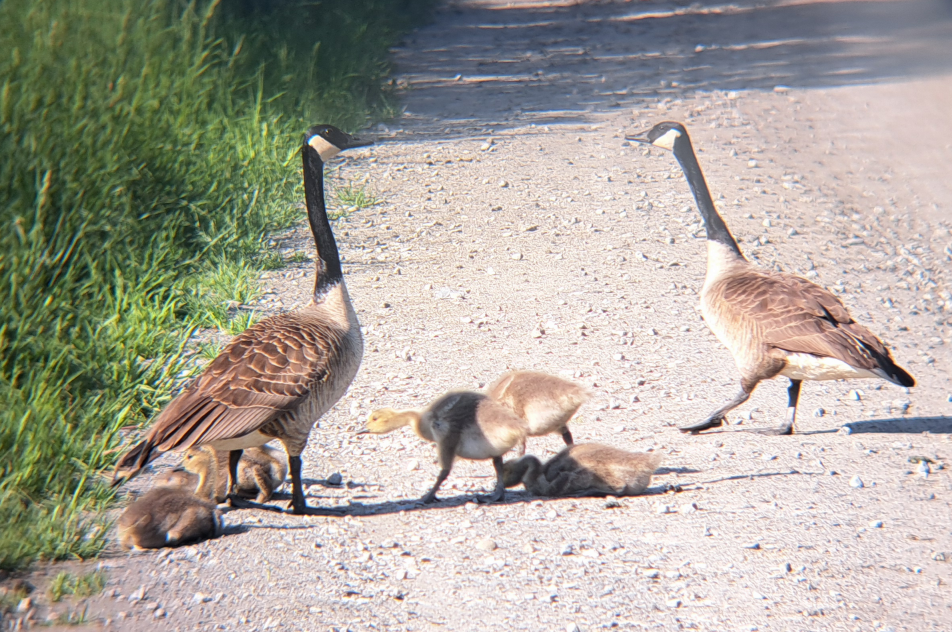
{"type": "Point", "coordinates": [462, 424]}
{"type": "Point", "coordinates": [587, 469]}
{"type": "Point", "coordinates": [172, 516]}
{"type": "Point", "coordinates": [544, 401]}
{"type": "Point", "coordinates": [260, 472]}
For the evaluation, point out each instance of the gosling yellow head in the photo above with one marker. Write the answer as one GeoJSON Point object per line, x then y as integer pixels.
{"type": "Point", "coordinates": [383, 421]}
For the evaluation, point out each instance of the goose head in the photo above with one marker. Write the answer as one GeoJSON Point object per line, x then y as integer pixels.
{"type": "Point", "coordinates": [328, 141]}
{"type": "Point", "coordinates": [667, 135]}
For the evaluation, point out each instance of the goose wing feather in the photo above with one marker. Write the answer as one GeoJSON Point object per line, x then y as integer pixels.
{"type": "Point", "coordinates": [798, 316]}
{"type": "Point", "coordinates": [264, 372]}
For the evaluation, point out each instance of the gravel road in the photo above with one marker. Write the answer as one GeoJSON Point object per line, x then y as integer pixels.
{"type": "Point", "coordinates": [517, 229]}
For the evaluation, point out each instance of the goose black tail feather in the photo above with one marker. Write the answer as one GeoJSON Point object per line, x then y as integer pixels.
{"type": "Point", "coordinates": [895, 374]}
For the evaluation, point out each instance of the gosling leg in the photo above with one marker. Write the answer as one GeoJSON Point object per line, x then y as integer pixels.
{"type": "Point", "coordinates": [500, 492]}
{"type": "Point", "coordinates": [521, 449]}
{"type": "Point", "coordinates": [446, 453]}
{"type": "Point", "coordinates": [430, 496]}
{"type": "Point", "coordinates": [567, 436]}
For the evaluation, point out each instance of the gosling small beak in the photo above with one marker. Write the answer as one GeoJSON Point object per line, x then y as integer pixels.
{"type": "Point", "coordinates": [178, 469]}
{"type": "Point", "coordinates": [638, 138]}
{"type": "Point", "coordinates": [364, 431]}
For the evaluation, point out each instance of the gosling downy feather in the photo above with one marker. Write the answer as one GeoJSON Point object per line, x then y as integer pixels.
{"type": "Point", "coordinates": [773, 323]}
{"type": "Point", "coordinates": [586, 469]}
{"type": "Point", "coordinates": [277, 378]}
{"type": "Point", "coordinates": [260, 472]}
{"type": "Point", "coordinates": [168, 516]}
{"type": "Point", "coordinates": [462, 424]}
{"type": "Point", "coordinates": [544, 401]}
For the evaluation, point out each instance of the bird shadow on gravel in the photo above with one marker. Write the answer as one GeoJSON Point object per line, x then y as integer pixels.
{"type": "Point", "coordinates": [910, 425]}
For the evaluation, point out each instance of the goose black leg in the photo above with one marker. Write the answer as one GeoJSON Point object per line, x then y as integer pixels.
{"type": "Point", "coordinates": [716, 419]}
{"type": "Point", "coordinates": [298, 504]}
{"type": "Point", "coordinates": [793, 395]}
{"type": "Point", "coordinates": [232, 490]}
{"type": "Point", "coordinates": [500, 492]}
{"type": "Point", "coordinates": [567, 436]}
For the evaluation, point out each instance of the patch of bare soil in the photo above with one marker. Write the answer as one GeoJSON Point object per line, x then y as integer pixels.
{"type": "Point", "coordinates": [519, 230]}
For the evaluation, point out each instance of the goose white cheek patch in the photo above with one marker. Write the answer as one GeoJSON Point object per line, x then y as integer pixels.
{"type": "Point", "coordinates": [322, 147]}
{"type": "Point", "coordinates": [667, 140]}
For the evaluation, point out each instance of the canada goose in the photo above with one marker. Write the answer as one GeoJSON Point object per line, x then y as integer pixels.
{"type": "Point", "coordinates": [773, 323]}
{"type": "Point", "coordinates": [278, 377]}
{"type": "Point", "coordinates": [545, 402]}
{"type": "Point", "coordinates": [462, 424]}
{"type": "Point", "coordinates": [586, 469]}
{"type": "Point", "coordinates": [170, 516]}
{"type": "Point", "coordinates": [260, 471]}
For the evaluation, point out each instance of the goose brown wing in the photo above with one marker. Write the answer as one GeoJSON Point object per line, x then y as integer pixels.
{"type": "Point", "coordinates": [798, 316]}
{"type": "Point", "coordinates": [264, 372]}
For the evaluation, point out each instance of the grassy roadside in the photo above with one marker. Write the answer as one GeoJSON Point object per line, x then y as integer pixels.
{"type": "Point", "coordinates": [147, 151]}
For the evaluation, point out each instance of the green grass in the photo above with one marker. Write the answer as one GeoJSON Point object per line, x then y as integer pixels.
{"type": "Point", "coordinates": [83, 586]}
{"type": "Point", "coordinates": [355, 195]}
{"type": "Point", "coordinates": [148, 149]}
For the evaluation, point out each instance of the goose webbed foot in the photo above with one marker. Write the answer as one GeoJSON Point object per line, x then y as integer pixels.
{"type": "Point", "coordinates": [710, 422]}
{"type": "Point", "coordinates": [500, 492]}
{"type": "Point", "coordinates": [236, 502]}
{"type": "Point", "coordinates": [429, 499]}
{"type": "Point", "coordinates": [298, 506]}
{"type": "Point", "coordinates": [782, 431]}
{"type": "Point", "coordinates": [793, 394]}
{"type": "Point", "coordinates": [494, 497]}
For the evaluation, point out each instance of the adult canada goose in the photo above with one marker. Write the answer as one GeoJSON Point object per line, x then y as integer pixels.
{"type": "Point", "coordinates": [586, 469]}
{"type": "Point", "coordinates": [260, 471]}
{"type": "Point", "coordinates": [170, 516]}
{"type": "Point", "coordinates": [278, 377]}
{"type": "Point", "coordinates": [773, 323]}
{"type": "Point", "coordinates": [462, 424]}
{"type": "Point", "coordinates": [544, 401]}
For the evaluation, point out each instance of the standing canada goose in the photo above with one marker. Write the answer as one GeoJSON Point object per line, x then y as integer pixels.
{"type": "Point", "coordinates": [773, 323]}
{"type": "Point", "coordinates": [545, 402]}
{"type": "Point", "coordinates": [462, 424]}
{"type": "Point", "coordinates": [260, 471]}
{"type": "Point", "coordinates": [586, 469]}
{"type": "Point", "coordinates": [278, 377]}
{"type": "Point", "coordinates": [170, 516]}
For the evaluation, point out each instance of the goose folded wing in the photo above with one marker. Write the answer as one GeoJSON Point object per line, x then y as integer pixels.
{"type": "Point", "coordinates": [263, 373]}
{"type": "Point", "coordinates": [798, 316]}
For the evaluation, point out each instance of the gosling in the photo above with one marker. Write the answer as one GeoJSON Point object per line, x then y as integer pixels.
{"type": "Point", "coordinates": [462, 424]}
{"type": "Point", "coordinates": [544, 401]}
{"type": "Point", "coordinates": [261, 471]}
{"type": "Point", "coordinates": [587, 469]}
{"type": "Point", "coordinates": [173, 516]}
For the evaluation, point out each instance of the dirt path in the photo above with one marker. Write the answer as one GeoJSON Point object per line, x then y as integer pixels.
{"type": "Point", "coordinates": [519, 230]}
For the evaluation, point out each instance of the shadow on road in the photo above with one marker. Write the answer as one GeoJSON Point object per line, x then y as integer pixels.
{"type": "Point", "coordinates": [910, 425]}
{"type": "Point", "coordinates": [533, 62]}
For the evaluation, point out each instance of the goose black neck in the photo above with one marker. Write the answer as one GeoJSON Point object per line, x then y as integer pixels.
{"type": "Point", "coordinates": [328, 259]}
{"type": "Point", "coordinates": [713, 223]}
